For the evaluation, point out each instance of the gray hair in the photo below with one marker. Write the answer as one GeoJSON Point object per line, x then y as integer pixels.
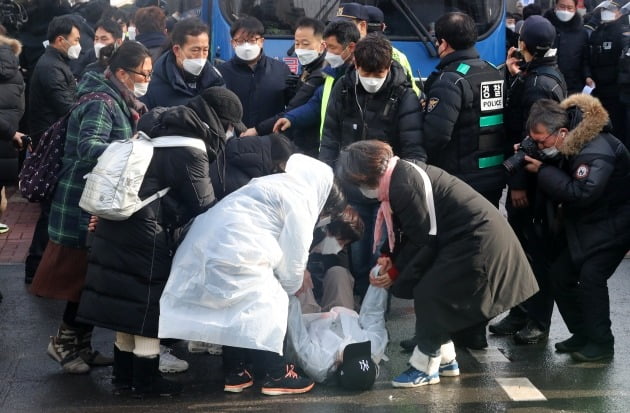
{"type": "Point", "coordinates": [548, 113]}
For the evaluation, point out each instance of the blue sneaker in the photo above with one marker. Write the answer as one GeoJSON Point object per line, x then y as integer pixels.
{"type": "Point", "coordinates": [415, 378]}
{"type": "Point", "coordinates": [449, 369]}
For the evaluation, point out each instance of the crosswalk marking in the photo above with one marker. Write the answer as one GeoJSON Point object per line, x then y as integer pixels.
{"type": "Point", "coordinates": [489, 355]}
{"type": "Point", "coordinates": [520, 389]}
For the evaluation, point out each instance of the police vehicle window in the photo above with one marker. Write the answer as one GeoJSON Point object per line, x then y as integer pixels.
{"type": "Point", "coordinates": [486, 14]}
{"type": "Point", "coordinates": [279, 17]}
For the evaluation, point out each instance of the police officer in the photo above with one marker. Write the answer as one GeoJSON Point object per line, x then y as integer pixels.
{"type": "Point", "coordinates": [463, 123]}
{"type": "Point", "coordinates": [604, 52]}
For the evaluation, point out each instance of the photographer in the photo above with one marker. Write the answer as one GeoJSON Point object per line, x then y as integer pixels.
{"type": "Point", "coordinates": [534, 77]}
{"type": "Point", "coordinates": [592, 186]}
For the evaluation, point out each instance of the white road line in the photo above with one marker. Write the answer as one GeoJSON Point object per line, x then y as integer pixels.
{"type": "Point", "coordinates": [489, 355]}
{"type": "Point", "coordinates": [520, 389]}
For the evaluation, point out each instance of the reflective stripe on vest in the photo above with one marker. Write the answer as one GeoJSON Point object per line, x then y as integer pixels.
{"type": "Point", "coordinates": [328, 85]}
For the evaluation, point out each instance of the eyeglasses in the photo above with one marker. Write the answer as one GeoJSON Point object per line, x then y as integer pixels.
{"type": "Point", "coordinates": [543, 140]}
{"type": "Point", "coordinates": [147, 76]}
{"type": "Point", "coordinates": [240, 42]}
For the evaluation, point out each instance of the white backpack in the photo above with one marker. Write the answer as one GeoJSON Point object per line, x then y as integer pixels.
{"type": "Point", "coordinates": [111, 189]}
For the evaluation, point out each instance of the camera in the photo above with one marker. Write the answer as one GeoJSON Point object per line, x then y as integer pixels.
{"type": "Point", "coordinates": [527, 147]}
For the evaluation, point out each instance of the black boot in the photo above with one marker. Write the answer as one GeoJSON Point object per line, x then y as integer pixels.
{"type": "Point", "coordinates": [123, 371]}
{"type": "Point", "coordinates": [88, 354]}
{"type": "Point", "coordinates": [409, 344]}
{"type": "Point", "coordinates": [472, 337]}
{"type": "Point", "coordinates": [148, 381]}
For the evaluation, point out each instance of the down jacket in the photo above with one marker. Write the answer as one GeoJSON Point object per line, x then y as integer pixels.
{"type": "Point", "coordinates": [130, 260]}
{"type": "Point", "coordinates": [11, 106]}
{"type": "Point", "coordinates": [592, 183]}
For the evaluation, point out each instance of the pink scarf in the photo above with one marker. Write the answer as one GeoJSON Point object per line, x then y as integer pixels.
{"type": "Point", "coordinates": [385, 210]}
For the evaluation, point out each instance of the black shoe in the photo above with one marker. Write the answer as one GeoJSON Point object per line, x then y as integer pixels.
{"type": "Point", "coordinates": [594, 352]}
{"type": "Point", "coordinates": [237, 380]}
{"type": "Point", "coordinates": [148, 381]}
{"type": "Point", "coordinates": [531, 334]}
{"type": "Point", "coordinates": [409, 344]}
{"type": "Point", "coordinates": [472, 341]}
{"type": "Point", "coordinates": [508, 326]}
{"type": "Point", "coordinates": [290, 383]}
{"type": "Point", "coordinates": [122, 377]}
{"type": "Point", "coordinates": [572, 344]}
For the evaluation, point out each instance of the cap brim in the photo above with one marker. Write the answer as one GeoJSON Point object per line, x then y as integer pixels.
{"type": "Point", "coordinates": [239, 128]}
{"type": "Point", "coordinates": [363, 349]}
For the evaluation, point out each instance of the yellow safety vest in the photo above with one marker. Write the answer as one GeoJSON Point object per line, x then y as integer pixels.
{"type": "Point", "coordinates": [400, 57]}
{"type": "Point", "coordinates": [329, 82]}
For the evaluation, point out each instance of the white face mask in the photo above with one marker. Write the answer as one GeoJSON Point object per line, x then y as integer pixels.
{"type": "Point", "coordinates": [334, 60]}
{"type": "Point", "coordinates": [372, 84]}
{"type": "Point", "coordinates": [194, 66]}
{"type": "Point", "coordinates": [74, 51]}
{"type": "Point", "coordinates": [608, 16]}
{"type": "Point", "coordinates": [131, 33]}
{"type": "Point", "coordinates": [511, 26]}
{"type": "Point", "coordinates": [306, 56]}
{"type": "Point", "coordinates": [564, 16]}
{"type": "Point", "coordinates": [229, 134]}
{"type": "Point", "coordinates": [97, 48]}
{"type": "Point", "coordinates": [140, 89]}
{"type": "Point", "coordinates": [330, 245]}
{"type": "Point", "coordinates": [247, 51]}
{"type": "Point", "coordinates": [369, 192]}
{"type": "Point", "coordinates": [551, 152]}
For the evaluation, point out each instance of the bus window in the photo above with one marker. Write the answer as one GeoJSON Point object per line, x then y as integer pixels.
{"type": "Point", "coordinates": [279, 17]}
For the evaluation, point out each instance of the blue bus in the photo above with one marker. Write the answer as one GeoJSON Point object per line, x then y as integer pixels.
{"type": "Point", "coordinates": [409, 23]}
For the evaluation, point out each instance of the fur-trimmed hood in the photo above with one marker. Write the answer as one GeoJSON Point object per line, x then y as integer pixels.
{"type": "Point", "coordinates": [594, 119]}
{"type": "Point", "coordinates": [15, 45]}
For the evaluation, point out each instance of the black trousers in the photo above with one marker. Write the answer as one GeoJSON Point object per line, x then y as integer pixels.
{"type": "Point", "coordinates": [581, 292]}
{"type": "Point", "coordinates": [264, 362]}
{"type": "Point", "coordinates": [38, 243]}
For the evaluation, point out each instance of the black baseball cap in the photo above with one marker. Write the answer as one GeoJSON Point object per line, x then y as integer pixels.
{"type": "Point", "coordinates": [375, 15]}
{"type": "Point", "coordinates": [351, 11]}
{"type": "Point", "coordinates": [538, 34]}
{"type": "Point", "coordinates": [358, 370]}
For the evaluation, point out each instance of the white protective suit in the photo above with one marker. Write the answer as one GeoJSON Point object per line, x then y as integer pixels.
{"type": "Point", "coordinates": [232, 274]}
{"type": "Point", "coordinates": [316, 341]}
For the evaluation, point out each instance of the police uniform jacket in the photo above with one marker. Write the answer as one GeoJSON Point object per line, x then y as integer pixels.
{"type": "Point", "coordinates": [592, 183]}
{"type": "Point", "coordinates": [604, 47]}
{"type": "Point", "coordinates": [463, 120]}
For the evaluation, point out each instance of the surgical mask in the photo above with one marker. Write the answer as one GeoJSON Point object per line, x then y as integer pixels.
{"type": "Point", "coordinates": [74, 51]}
{"type": "Point", "coordinates": [511, 26]}
{"type": "Point", "coordinates": [131, 33]}
{"type": "Point", "coordinates": [229, 134]}
{"type": "Point", "coordinates": [334, 60]}
{"type": "Point", "coordinates": [194, 66]}
{"type": "Point", "coordinates": [306, 56]}
{"type": "Point", "coordinates": [140, 89]}
{"type": "Point", "coordinates": [330, 245]}
{"type": "Point", "coordinates": [247, 51]}
{"type": "Point", "coordinates": [564, 16]}
{"type": "Point", "coordinates": [369, 192]}
{"type": "Point", "coordinates": [608, 16]}
{"type": "Point", "coordinates": [551, 152]}
{"type": "Point", "coordinates": [372, 84]}
{"type": "Point", "coordinates": [97, 48]}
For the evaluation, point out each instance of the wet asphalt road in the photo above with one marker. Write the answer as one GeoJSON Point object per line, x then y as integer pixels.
{"type": "Point", "coordinates": [32, 382]}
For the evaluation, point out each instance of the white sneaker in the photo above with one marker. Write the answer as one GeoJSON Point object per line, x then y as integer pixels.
{"type": "Point", "coordinates": [201, 347]}
{"type": "Point", "coordinates": [169, 363]}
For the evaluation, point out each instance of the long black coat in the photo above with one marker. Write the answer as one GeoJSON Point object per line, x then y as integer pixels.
{"type": "Point", "coordinates": [475, 268]}
{"type": "Point", "coordinates": [571, 40]}
{"type": "Point", "coordinates": [52, 90]}
{"type": "Point", "coordinates": [130, 260]}
{"type": "Point", "coordinates": [11, 106]}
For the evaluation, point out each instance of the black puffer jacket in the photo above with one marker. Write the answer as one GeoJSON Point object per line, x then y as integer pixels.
{"type": "Point", "coordinates": [571, 40]}
{"type": "Point", "coordinates": [354, 115]}
{"type": "Point", "coordinates": [11, 106]}
{"type": "Point", "coordinates": [243, 159]}
{"type": "Point", "coordinates": [306, 139]}
{"type": "Point", "coordinates": [52, 90]}
{"type": "Point", "coordinates": [130, 260]}
{"type": "Point", "coordinates": [592, 183]}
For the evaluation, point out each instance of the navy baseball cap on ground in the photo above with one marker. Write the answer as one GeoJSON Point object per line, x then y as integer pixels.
{"type": "Point", "coordinates": [358, 370]}
{"type": "Point", "coordinates": [538, 34]}
{"type": "Point", "coordinates": [351, 11]}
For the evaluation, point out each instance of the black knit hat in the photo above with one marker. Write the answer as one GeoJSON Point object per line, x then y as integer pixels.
{"type": "Point", "coordinates": [226, 105]}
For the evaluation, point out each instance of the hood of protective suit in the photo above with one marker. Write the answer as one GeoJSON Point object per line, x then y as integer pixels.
{"type": "Point", "coordinates": [315, 174]}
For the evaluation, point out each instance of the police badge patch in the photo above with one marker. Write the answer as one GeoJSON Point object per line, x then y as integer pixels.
{"type": "Point", "coordinates": [582, 171]}
{"type": "Point", "coordinates": [433, 102]}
